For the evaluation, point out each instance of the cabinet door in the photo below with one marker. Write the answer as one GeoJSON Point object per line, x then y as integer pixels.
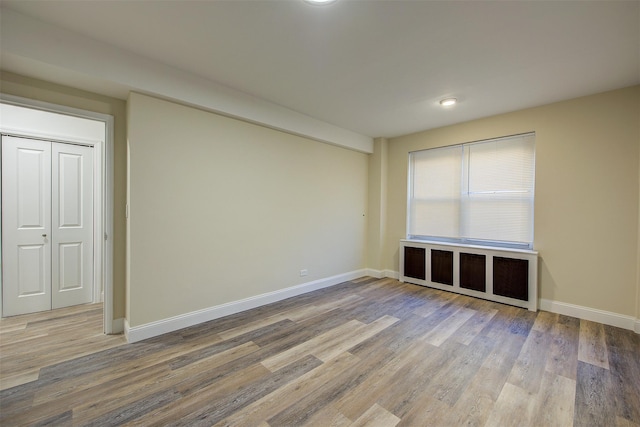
{"type": "Point", "coordinates": [511, 278]}
{"type": "Point", "coordinates": [442, 267]}
{"type": "Point", "coordinates": [473, 272]}
{"type": "Point", "coordinates": [415, 263]}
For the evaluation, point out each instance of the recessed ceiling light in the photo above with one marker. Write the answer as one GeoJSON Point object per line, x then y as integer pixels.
{"type": "Point", "coordinates": [447, 102]}
{"type": "Point", "coordinates": [319, 2]}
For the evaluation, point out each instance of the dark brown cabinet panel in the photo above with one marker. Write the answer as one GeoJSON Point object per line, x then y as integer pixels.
{"type": "Point", "coordinates": [414, 263]}
{"type": "Point", "coordinates": [473, 272]}
{"type": "Point", "coordinates": [511, 278]}
{"type": "Point", "coordinates": [442, 267]}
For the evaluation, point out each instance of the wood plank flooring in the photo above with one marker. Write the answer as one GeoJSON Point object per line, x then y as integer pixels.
{"type": "Point", "coordinates": [32, 341]}
{"type": "Point", "coordinates": [371, 352]}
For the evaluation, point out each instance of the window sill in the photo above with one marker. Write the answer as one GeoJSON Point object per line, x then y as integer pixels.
{"type": "Point", "coordinates": [465, 245]}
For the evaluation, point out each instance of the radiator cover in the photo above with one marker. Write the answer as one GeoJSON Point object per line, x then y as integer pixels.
{"type": "Point", "coordinates": [508, 276]}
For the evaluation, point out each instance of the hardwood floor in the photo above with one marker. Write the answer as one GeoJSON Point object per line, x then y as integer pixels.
{"type": "Point", "coordinates": [368, 352]}
{"type": "Point", "coordinates": [32, 341]}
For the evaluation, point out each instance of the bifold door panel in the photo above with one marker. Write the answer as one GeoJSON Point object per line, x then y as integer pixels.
{"type": "Point", "coordinates": [26, 226]}
{"type": "Point", "coordinates": [72, 225]}
{"type": "Point", "coordinates": [47, 225]}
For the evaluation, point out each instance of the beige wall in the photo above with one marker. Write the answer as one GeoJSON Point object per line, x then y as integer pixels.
{"type": "Point", "coordinates": [377, 218]}
{"type": "Point", "coordinates": [637, 326]}
{"type": "Point", "coordinates": [586, 197]}
{"type": "Point", "coordinates": [222, 210]}
{"type": "Point", "coordinates": [13, 84]}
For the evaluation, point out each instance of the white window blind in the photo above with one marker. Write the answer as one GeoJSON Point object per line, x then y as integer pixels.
{"type": "Point", "coordinates": [479, 193]}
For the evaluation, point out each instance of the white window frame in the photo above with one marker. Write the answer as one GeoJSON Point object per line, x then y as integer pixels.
{"type": "Point", "coordinates": [464, 187]}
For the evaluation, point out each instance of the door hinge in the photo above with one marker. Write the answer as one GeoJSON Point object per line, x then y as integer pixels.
{"type": "Point", "coordinates": [106, 236]}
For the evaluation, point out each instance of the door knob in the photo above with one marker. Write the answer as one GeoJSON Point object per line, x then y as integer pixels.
{"type": "Point", "coordinates": [44, 235]}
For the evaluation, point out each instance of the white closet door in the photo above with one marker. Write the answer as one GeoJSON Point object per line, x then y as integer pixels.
{"type": "Point", "coordinates": [72, 225]}
{"type": "Point", "coordinates": [26, 225]}
{"type": "Point", "coordinates": [47, 225]}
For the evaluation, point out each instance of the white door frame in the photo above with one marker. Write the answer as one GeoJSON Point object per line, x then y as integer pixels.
{"type": "Point", "coordinates": [103, 194]}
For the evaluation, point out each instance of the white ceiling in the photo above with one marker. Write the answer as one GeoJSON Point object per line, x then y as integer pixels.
{"type": "Point", "coordinates": [375, 68]}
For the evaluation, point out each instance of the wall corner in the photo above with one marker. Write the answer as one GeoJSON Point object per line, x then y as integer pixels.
{"type": "Point", "coordinates": [377, 204]}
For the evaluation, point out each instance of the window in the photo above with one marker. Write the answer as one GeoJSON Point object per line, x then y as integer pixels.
{"type": "Point", "coordinates": [475, 193]}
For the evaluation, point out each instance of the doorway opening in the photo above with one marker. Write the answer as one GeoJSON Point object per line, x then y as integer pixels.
{"type": "Point", "coordinates": [92, 134]}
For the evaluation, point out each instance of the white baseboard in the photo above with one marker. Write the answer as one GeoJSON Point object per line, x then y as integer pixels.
{"type": "Point", "coordinates": [374, 273]}
{"type": "Point", "coordinates": [592, 314]}
{"type": "Point", "coordinates": [379, 274]}
{"type": "Point", "coordinates": [126, 330]}
{"type": "Point", "coordinates": [149, 330]}
{"type": "Point", "coordinates": [391, 274]}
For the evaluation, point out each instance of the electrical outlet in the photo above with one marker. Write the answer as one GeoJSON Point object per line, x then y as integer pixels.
{"type": "Point", "coordinates": [304, 272]}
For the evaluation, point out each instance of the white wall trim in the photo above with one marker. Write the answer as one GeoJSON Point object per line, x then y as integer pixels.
{"type": "Point", "coordinates": [149, 330]}
{"type": "Point", "coordinates": [374, 273]}
{"type": "Point", "coordinates": [126, 330]}
{"type": "Point", "coordinates": [391, 274]}
{"type": "Point", "coordinates": [380, 274]}
{"type": "Point", "coordinates": [103, 209]}
{"type": "Point", "coordinates": [592, 314]}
